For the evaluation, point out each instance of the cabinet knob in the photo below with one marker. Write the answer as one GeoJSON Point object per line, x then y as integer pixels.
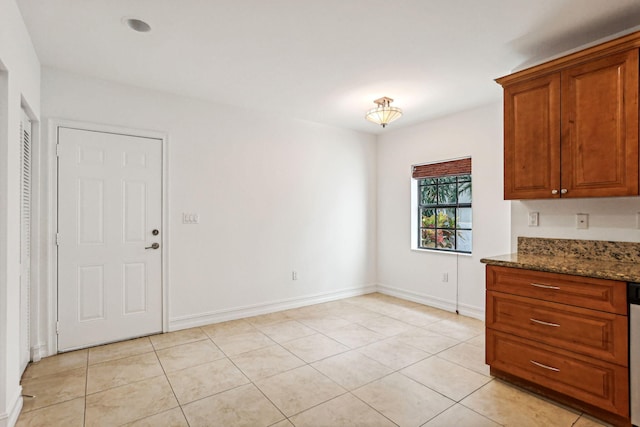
{"type": "Point", "coordinates": [554, 191]}
{"type": "Point", "coordinates": [563, 191]}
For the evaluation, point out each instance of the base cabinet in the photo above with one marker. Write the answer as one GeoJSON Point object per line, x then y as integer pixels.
{"type": "Point", "coordinates": [550, 345]}
{"type": "Point", "coordinates": [592, 381]}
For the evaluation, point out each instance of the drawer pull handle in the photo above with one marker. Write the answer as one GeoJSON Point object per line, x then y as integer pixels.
{"type": "Point", "coordinates": [551, 368]}
{"type": "Point", "coordinates": [538, 285]}
{"type": "Point", "coordinates": [541, 322]}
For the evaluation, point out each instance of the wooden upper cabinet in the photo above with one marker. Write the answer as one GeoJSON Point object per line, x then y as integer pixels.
{"type": "Point", "coordinates": [600, 127]}
{"type": "Point", "coordinates": [571, 125]}
{"type": "Point", "coordinates": [532, 138]}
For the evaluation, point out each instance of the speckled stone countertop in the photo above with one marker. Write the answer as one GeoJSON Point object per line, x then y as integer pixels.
{"type": "Point", "coordinates": [590, 258]}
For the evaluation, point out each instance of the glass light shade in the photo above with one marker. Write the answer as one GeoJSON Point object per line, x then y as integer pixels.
{"type": "Point", "coordinates": [383, 115]}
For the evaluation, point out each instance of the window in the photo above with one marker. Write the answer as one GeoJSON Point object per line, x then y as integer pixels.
{"type": "Point", "coordinates": [442, 216]}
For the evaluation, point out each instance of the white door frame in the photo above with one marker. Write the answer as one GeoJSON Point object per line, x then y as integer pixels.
{"type": "Point", "coordinates": [50, 184]}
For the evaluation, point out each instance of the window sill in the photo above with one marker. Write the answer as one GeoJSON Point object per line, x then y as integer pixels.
{"type": "Point", "coordinates": [434, 251]}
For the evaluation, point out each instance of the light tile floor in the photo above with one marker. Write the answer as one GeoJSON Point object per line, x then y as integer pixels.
{"type": "Point", "coordinates": [372, 360]}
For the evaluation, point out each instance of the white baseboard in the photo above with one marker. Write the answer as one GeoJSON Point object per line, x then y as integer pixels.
{"type": "Point", "coordinates": [471, 311]}
{"type": "Point", "coordinates": [447, 305]}
{"type": "Point", "coordinates": [9, 419]}
{"type": "Point", "coordinates": [419, 298]}
{"type": "Point", "coordinates": [202, 319]}
{"type": "Point", "coordinates": [38, 352]}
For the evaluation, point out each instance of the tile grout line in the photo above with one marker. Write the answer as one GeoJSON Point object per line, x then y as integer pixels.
{"type": "Point", "coordinates": [309, 364]}
{"type": "Point", "coordinates": [350, 392]}
{"type": "Point", "coordinates": [493, 379]}
{"type": "Point", "coordinates": [356, 349]}
{"type": "Point", "coordinates": [226, 356]}
{"type": "Point", "coordinates": [252, 382]}
{"type": "Point", "coordinates": [170, 386]}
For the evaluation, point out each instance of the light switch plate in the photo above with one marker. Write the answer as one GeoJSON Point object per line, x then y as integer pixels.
{"type": "Point", "coordinates": [534, 217]}
{"type": "Point", "coordinates": [190, 218]}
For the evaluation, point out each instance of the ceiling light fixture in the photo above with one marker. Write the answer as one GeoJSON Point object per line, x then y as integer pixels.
{"type": "Point", "coordinates": [384, 113]}
{"type": "Point", "coordinates": [137, 25]}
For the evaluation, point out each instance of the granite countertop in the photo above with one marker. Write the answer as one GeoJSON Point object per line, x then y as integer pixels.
{"type": "Point", "coordinates": [589, 258]}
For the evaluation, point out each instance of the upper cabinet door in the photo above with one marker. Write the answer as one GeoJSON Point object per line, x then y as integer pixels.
{"type": "Point", "coordinates": [532, 138]}
{"type": "Point", "coordinates": [600, 127]}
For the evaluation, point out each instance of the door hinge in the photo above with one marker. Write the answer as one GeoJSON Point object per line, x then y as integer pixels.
{"type": "Point", "coordinates": [57, 239]}
{"type": "Point", "coordinates": [57, 328]}
{"type": "Point", "coordinates": [57, 150]}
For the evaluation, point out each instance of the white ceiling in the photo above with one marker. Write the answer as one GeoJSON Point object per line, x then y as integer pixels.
{"type": "Point", "coordinates": [320, 60]}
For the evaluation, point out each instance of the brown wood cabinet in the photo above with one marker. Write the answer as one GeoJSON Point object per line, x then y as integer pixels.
{"type": "Point", "coordinates": [560, 335]}
{"type": "Point", "coordinates": [571, 125]}
{"type": "Point", "coordinates": [589, 332]}
{"type": "Point", "coordinates": [532, 138]}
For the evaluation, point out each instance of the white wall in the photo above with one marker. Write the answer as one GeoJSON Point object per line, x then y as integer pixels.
{"type": "Point", "coordinates": [273, 194]}
{"type": "Point", "coordinates": [417, 275]}
{"type": "Point", "coordinates": [19, 84]}
{"type": "Point", "coordinates": [609, 219]}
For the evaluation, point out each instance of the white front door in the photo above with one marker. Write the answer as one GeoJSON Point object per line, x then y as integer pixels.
{"type": "Point", "coordinates": [109, 217]}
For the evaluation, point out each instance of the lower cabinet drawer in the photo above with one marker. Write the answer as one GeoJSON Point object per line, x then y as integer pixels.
{"type": "Point", "coordinates": [596, 294]}
{"type": "Point", "coordinates": [604, 385]}
{"type": "Point", "coordinates": [589, 332]}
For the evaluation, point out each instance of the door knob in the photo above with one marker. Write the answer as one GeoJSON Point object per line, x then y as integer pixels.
{"type": "Point", "coordinates": [153, 246]}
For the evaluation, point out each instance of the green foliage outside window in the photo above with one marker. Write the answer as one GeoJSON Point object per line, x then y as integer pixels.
{"type": "Point", "coordinates": [445, 213]}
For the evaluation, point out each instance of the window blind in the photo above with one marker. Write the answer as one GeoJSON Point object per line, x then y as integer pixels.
{"type": "Point", "coordinates": [447, 168]}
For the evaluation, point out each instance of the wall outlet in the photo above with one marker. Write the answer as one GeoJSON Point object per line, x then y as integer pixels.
{"type": "Point", "coordinates": [190, 218]}
{"type": "Point", "coordinates": [533, 219]}
{"type": "Point", "coordinates": [582, 221]}
{"type": "Point", "coordinates": [445, 277]}
{"type": "Point", "coordinates": [294, 275]}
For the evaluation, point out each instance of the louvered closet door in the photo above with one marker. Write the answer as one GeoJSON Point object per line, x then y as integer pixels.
{"type": "Point", "coordinates": [25, 241]}
{"type": "Point", "coordinates": [109, 204]}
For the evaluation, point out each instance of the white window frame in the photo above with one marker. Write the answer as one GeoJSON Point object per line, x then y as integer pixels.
{"type": "Point", "coordinates": [414, 233]}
